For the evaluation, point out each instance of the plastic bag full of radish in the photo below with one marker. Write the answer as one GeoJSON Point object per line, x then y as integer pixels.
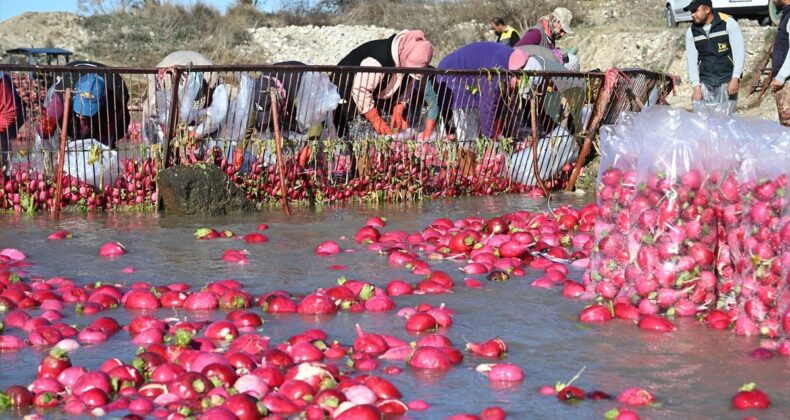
{"type": "Point", "coordinates": [693, 220]}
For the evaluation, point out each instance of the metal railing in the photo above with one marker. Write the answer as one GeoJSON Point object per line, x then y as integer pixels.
{"type": "Point", "coordinates": [495, 131]}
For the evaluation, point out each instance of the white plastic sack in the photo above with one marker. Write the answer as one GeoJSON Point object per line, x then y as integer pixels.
{"type": "Point", "coordinates": [91, 162]}
{"type": "Point", "coordinates": [317, 97]}
{"type": "Point", "coordinates": [239, 110]}
{"type": "Point", "coordinates": [554, 151]}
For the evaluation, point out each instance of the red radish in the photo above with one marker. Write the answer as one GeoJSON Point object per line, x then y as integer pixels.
{"type": "Point", "coordinates": [244, 407]}
{"type": "Point", "coordinates": [379, 304]}
{"type": "Point", "coordinates": [140, 299]}
{"type": "Point", "coordinates": [91, 380]}
{"type": "Point", "coordinates": [429, 358]}
{"type": "Point", "coordinates": [655, 323]}
{"type": "Point", "coordinates": [398, 288]}
{"type": "Point", "coordinates": [59, 235]}
{"type": "Point", "coordinates": [316, 303]}
{"type": "Point", "coordinates": [636, 396]}
{"type": "Point", "coordinates": [624, 310]}
{"type": "Point", "coordinates": [13, 254]}
{"type": "Point", "coordinates": [112, 249]}
{"type": "Point", "coordinates": [595, 313]}
{"type": "Point", "coordinates": [201, 301]}
{"type": "Point", "coordinates": [359, 412]}
{"type": "Point", "coordinates": [421, 322]}
{"type": "Point", "coordinates": [748, 397]}
{"type": "Point", "coordinates": [54, 364]}
{"type": "Point", "coordinates": [262, 226]}
{"type": "Point", "coordinates": [570, 393]}
{"type": "Point", "coordinates": [505, 372]}
{"type": "Point", "coordinates": [252, 385]}
{"type": "Point", "coordinates": [207, 233]}
{"type": "Point", "coordinates": [367, 234]}
{"type": "Point", "coordinates": [418, 405]}
{"type": "Point", "coordinates": [19, 397]}
{"type": "Point", "coordinates": [492, 348]}
{"type": "Point", "coordinates": [276, 403]}
{"type": "Point", "coordinates": [257, 238]}
{"type": "Point", "coordinates": [235, 256]}
{"type": "Point", "coordinates": [327, 248]}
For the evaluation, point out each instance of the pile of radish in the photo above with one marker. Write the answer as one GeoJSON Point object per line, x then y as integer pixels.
{"type": "Point", "coordinates": [228, 368]}
{"type": "Point", "coordinates": [393, 175]}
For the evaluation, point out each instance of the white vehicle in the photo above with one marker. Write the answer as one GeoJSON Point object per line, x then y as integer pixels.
{"type": "Point", "coordinates": [763, 10]}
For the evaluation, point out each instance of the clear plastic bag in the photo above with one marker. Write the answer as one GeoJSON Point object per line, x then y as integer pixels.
{"type": "Point", "coordinates": [317, 97]}
{"type": "Point", "coordinates": [235, 125]}
{"type": "Point", "coordinates": [759, 266]}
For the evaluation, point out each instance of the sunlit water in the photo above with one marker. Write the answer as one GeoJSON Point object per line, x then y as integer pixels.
{"type": "Point", "coordinates": [693, 372]}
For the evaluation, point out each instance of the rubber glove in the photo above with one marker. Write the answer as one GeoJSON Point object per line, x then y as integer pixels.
{"type": "Point", "coordinates": [378, 124]}
{"type": "Point", "coordinates": [398, 122]}
{"type": "Point", "coordinates": [430, 125]}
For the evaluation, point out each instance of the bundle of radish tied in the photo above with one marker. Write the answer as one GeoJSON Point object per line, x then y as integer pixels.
{"type": "Point", "coordinates": [694, 220]}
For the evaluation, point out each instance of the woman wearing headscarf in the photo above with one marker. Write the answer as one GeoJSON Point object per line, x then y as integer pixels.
{"type": "Point", "coordinates": [11, 116]}
{"type": "Point", "coordinates": [99, 107]}
{"type": "Point", "coordinates": [368, 93]}
{"type": "Point", "coordinates": [475, 99]}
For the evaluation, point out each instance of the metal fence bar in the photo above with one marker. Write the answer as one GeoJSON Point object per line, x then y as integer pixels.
{"type": "Point", "coordinates": [219, 114]}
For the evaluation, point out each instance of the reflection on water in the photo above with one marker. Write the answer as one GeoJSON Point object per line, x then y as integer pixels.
{"type": "Point", "coordinates": [693, 371]}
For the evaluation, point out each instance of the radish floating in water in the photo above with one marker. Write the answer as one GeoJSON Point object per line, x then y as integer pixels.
{"type": "Point", "coordinates": [655, 323]}
{"type": "Point", "coordinates": [112, 249]}
{"type": "Point", "coordinates": [595, 313]}
{"type": "Point", "coordinates": [257, 238]}
{"type": "Point", "coordinates": [429, 358]}
{"type": "Point", "coordinates": [636, 396]}
{"type": "Point", "coordinates": [235, 256]}
{"type": "Point", "coordinates": [502, 372]}
{"type": "Point", "coordinates": [59, 235]}
{"type": "Point", "coordinates": [492, 348]}
{"type": "Point", "coordinates": [748, 397]}
{"type": "Point", "coordinates": [328, 248]}
{"type": "Point", "coordinates": [13, 254]}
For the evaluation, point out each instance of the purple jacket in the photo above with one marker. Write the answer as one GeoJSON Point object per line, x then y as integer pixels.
{"type": "Point", "coordinates": [479, 55]}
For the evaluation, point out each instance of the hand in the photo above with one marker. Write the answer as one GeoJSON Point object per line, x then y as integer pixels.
{"type": "Point", "coordinates": [776, 85]}
{"type": "Point", "coordinates": [426, 134]}
{"type": "Point", "coordinates": [398, 122]}
{"type": "Point", "coordinates": [697, 94]}
{"type": "Point", "coordinates": [732, 88]}
{"type": "Point", "coordinates": [378, 124]}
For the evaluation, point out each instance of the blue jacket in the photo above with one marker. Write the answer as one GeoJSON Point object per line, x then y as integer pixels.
{"type": "Point", "coordinates": [474, 91]}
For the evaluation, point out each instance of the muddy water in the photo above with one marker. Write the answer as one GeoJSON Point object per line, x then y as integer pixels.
{"type": "Point", "coordinates": [693, 371]}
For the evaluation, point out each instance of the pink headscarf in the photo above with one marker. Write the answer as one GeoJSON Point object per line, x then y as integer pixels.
{"type": "Point", "coordinates": [518, 59]}
{"type": "Point", "coordinates": [414, 51]}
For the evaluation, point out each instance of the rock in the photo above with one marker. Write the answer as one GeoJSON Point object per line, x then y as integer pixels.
{"type": "Point", "coordinates": [199, 189]}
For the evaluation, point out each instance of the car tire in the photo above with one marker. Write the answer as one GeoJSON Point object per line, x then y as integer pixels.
{"type": "Point", "coordinates": [774, 14]}
{"type": "Point", "coordinates": [670, 17]}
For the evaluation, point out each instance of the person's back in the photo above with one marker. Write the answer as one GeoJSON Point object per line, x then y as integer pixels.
{"type": "Point", "coordinates": [478, 55]}
{"type": "Point", "coordinates": [99, 109]}
{"type": "Point", "coordinates": [11, 115]}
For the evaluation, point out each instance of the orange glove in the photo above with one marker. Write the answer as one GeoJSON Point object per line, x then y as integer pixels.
{"type": "Point", "coordinates": [48, 126]}
{"type": "Point", "coordinates": [430, 125]}
{"type": "Point", "coordinates": [398, 122]}
{"type": "Point", "coordinates": [378, 124]}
